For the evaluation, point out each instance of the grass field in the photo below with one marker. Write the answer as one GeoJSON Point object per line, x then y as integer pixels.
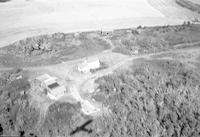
{"type": "Point", "coordinates": [190, 5]}
{"type": "Point", "coordinates": [173, 10]}
{"type": "Point", "coordinates": [195, 1]}
{"type": "Point", "coordinates": [36, 17]}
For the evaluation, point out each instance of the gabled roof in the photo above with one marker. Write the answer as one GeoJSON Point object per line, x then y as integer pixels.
{"type": "Point", "coordinates": [43, 77]}
{"type": "Point", "coordinates": [86, 63]}
{"type": "Point", "coordinates": [47, 79]}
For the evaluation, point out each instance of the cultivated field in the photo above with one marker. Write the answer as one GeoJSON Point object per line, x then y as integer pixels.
{"type": "Point", "coordinates": [21, 19]}
{"type": "Point", "coordinates": [172, 10]}
{"type": "Point", "coordinates": [195, 1]}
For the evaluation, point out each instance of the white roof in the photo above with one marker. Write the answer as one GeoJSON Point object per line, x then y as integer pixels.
{"type": "Point", "coordinates": [90, 60]}
{"type": "Point", "coordinates": [58, 90]}
{"type": "Point", "coordinates": [86, 62]}
{"type": "Point", "coordinates": [43, 77]}
{"type": "Point", "coordinates": [47, 79]}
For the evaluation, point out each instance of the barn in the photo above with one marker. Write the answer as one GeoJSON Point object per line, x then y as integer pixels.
{"type": "Point", "coordinates": [54, 89]}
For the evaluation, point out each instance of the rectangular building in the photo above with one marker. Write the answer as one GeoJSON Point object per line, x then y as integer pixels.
{"type": "Point", "coordinates": [54, 89]}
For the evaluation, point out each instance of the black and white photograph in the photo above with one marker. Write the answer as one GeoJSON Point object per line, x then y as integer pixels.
{"type": "Point", "coordinates": [99, 68]}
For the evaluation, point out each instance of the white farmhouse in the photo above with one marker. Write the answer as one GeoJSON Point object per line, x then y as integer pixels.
{"type": "Point", "coordinates": [87, 65]}
{"type": "Point", "coordinates": [54, 89]}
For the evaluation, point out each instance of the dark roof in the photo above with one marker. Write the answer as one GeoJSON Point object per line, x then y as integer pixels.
{"type": "Point", "coordinates": [54, 85]}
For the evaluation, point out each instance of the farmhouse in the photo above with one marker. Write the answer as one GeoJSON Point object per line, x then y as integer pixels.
{"type": "Point", "coordinates": [54, 89]}
{"type": "Point", "coordinates": [87, 65]}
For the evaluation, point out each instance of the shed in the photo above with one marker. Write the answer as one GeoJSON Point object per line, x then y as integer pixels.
{"type": "Point", "coordinates": [54, 89]}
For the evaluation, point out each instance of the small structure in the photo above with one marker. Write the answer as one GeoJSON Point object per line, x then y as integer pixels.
{"type": "Point", "coordinates": [54, 89]}
{"type": "Point", "coordinates": [87, 65]}
{"type": "Point", "coordinates": [106, 31]}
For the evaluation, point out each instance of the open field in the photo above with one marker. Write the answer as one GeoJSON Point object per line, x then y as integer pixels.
{"type": "Point", "coordinates": [189, 4]}
{"type": "Point", "coordinates": [173, 10]}
{"type": "Point", "coordinates": [195, 1]}
{"type": "Point", "coordinates": [21, 19]}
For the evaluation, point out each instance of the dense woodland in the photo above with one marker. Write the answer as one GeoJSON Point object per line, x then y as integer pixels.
{"type": "Point", "coordinates": [156, 98]}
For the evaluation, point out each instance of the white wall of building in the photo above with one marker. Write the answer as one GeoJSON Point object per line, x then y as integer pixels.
{"type": "Point", "coordinates": [87, 65]}
{"type": "Point", "coordinates": [55, 93]}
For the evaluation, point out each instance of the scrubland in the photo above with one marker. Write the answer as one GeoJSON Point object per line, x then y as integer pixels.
{"type": "Point", "coordinates": [51, 49]}
{"type": "Point", "coordinates": [154, 39]}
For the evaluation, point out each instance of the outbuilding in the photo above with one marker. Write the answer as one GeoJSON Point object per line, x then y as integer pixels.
{"type": "Point", "coordinates": [54, 89]}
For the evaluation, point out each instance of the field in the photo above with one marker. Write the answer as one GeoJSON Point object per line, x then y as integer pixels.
{"type": "Point", "coordinates": [190, 4]}
{"type": "Point", "coordinates": [195, 1]}
{"type": "Point", "coordinates": [36, 17]}
{"type": "Point", "coordinates": [173, 10]}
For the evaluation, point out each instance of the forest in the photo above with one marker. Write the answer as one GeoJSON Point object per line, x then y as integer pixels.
{"type": "Point", "coordinates": [155, 98]}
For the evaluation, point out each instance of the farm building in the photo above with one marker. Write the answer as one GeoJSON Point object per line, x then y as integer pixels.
{"type": "Point", "coordinates": [54, 89]}
{"type": "Point", "coordinates": [87, 65]}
